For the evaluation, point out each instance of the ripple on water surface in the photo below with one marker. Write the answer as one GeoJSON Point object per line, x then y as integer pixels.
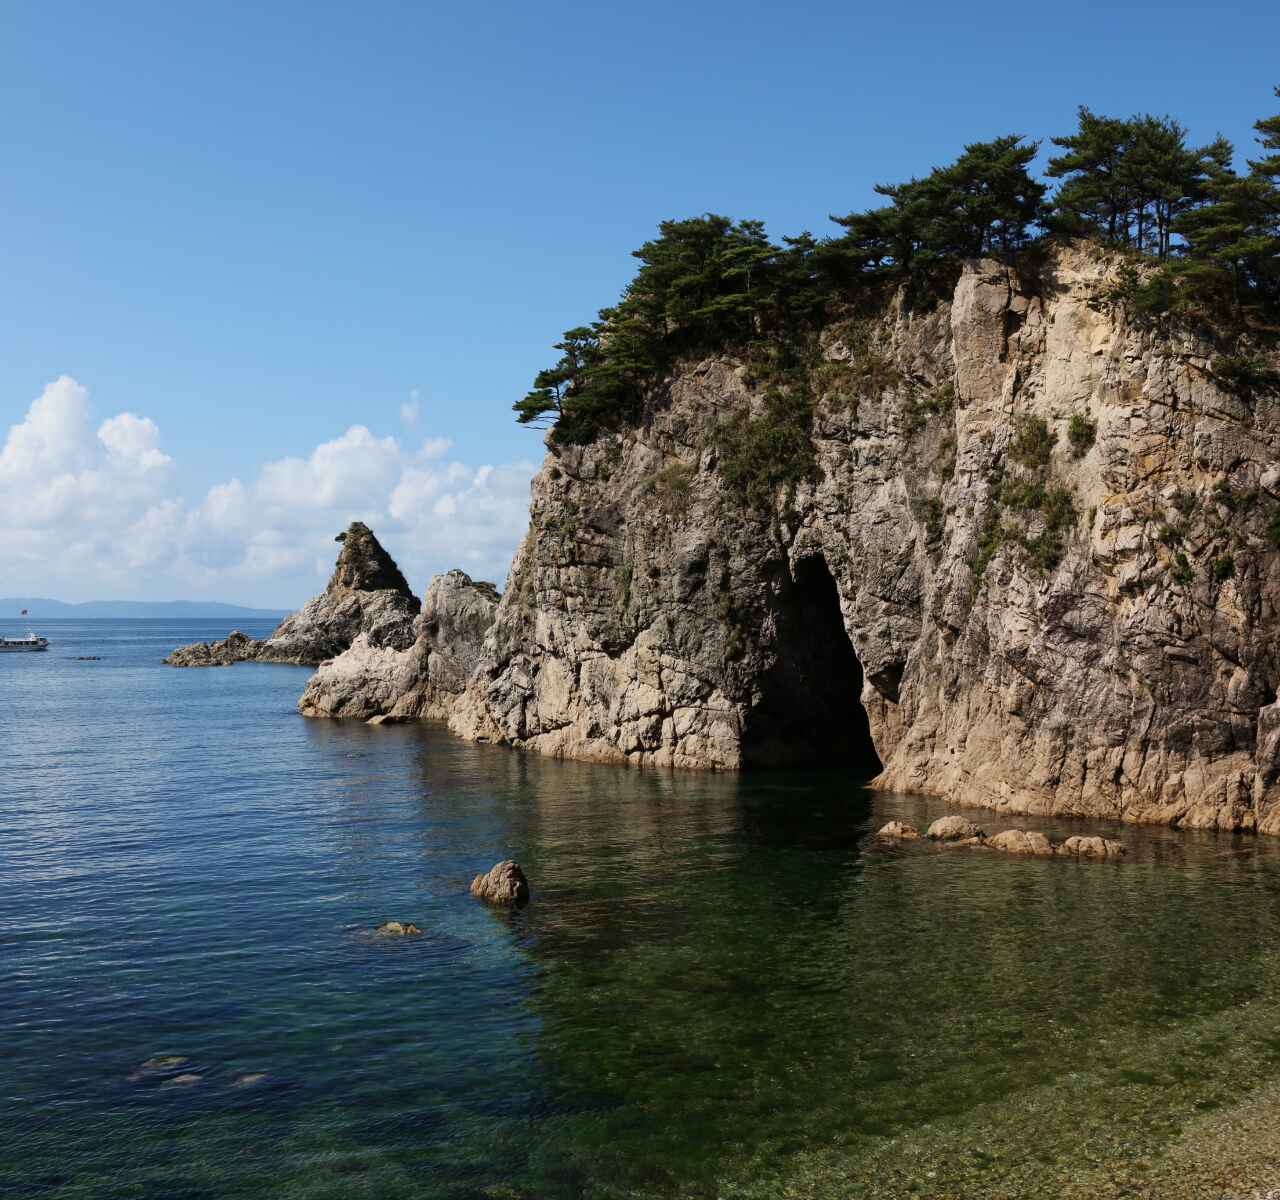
{"type": "Point", "coordinates": [719, 987]}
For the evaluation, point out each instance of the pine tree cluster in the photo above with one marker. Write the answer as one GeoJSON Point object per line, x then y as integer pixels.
{"type": "Point", "coordinates": [1209, 234]}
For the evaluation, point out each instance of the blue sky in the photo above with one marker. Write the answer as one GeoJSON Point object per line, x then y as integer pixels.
{"type": "Point", "coordinates": [253, 227]}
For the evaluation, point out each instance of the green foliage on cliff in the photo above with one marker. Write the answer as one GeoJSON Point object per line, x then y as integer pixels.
{"type": "Point", "coordinates": [1128, 181]}
{"type": "Point", "coordinates": [772, 449]}
{"type": "Point", "coordinates": [985, 203]}
{"type": "Point", "coordinates": [1032, 442]}
{"type": "Point", "coordinates": [1204, 239]}
{"type": "Point", "coordinates": [710, 284]}
{"type": "Point", "coordinates": [1081, 433]}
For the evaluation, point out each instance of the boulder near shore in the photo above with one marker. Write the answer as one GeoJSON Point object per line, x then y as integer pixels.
{"type": "Point", "coordinates": [503, 883]}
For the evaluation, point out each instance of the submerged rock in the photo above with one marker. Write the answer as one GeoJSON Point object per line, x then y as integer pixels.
{"type": "Point", "coordinates": [1021, 841]}
{"type": "Point", "coordinates": [504, 883]}
{"type": "Point", "coordinates": [366, 596]}
{"type": "Point", "coordinates": [398, 928]}
{"type": "Point", "coordinates": [250, 1079]}
{"type": "Point", "coordinates": [954, 829]}
{"type": "Point", "coordinates": [184, 1080]}
{"type": "Point", "coordinates": [1092, 847]}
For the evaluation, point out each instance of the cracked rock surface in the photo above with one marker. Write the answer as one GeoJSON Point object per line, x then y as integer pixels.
{"type": "Point", "coordinates": [417, 681]}
{"type": "Point", "coordinates": [651, 618]}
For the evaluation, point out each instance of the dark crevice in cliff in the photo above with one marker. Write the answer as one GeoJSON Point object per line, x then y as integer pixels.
{"type": "Point", "coordinates": [810, 711]}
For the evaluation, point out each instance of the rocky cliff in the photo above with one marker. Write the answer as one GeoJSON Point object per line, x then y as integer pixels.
{"type": "Point", "coordinates": [420, 681]}
{"type": "Point", "coordinates": [1035, 568]}
{"type": "Point", "coordinates": [366, 596]}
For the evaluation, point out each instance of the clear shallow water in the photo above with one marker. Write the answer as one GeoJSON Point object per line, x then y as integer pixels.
{"type": "Point", "coordinates": [719, 990]}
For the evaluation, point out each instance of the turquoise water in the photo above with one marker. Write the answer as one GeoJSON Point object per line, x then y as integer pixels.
{"type": "Point", "coordinates": [719, 989]}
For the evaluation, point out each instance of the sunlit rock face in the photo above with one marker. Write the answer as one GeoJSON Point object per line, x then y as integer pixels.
{"type": "Point", "coordinates": [414, 681]}
{"type": "Point", "coordinates": [930, 604]}
{"type": "Point", "coordinates": [366, 596]}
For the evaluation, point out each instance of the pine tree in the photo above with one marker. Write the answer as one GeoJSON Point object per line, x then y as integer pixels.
{"type": "Point", "coordinates": [1094, 198]}
{"type": "Point", "coordinates": [1232, 241]}
{"type": "Point", "coordinates": [1127, 181]}
{"type": "Point", "coordinates": [985, 203]}
{"type": "Point", "coordinates": [1269, 131]}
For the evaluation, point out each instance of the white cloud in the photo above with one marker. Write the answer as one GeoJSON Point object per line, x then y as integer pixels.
{"type": "Point", "coordinates": [434, 447]}
{"type": "Point", "coordinates": [96, 513]}
{"type": "Point", "coordinates": [133, 441]}
{"type": "Point", "coordinates": [355, 468]}
{"type": "Point", "coordinates": [51, 440]}
{"type": "Point", "coordinates": [411, 410]}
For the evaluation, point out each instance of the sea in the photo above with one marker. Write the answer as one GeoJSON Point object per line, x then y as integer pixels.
{"type": "Point", "coordinates": [721, 988]}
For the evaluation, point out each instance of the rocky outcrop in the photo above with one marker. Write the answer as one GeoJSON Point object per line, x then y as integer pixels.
{"type": "Point", "coordinates": [503, 883]}
{"type": "Point", "coordinates": [1034, 569]}
{"type": "Point", "coordinates": [366, 597]}
{"type": "Point", "coordinates": [897, 831]}
{"type": "Point", "coordinates": [373, 681]}
{"type": "Point", "coordinates": [235, 647]}
{"type": "Point", "coordinates": [1021, 841]}
{"type": "Point", "coordinates": [954, 829]}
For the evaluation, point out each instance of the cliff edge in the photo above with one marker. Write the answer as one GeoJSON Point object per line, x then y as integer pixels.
{"type": "Point", "coordinates": [1033, 567]}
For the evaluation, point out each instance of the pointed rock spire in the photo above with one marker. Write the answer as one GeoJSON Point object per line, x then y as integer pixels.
{"type": "Point", "coordinates": [366, 594]}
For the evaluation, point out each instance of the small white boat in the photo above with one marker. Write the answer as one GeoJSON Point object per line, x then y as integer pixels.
{"type": "Point", "coordinates": [30, 642]}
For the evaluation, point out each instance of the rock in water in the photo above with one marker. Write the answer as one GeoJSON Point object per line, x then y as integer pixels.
{"type": "Point", "coordinates": [380, 683]}
{"type": "Point", "coordinates": [161, 1062]}
{"type": "Point", "coordinates": [235, 647]}
{"type": "Point", "coordinates": [1021, 841]}
{"type": "Point", "coordinates": [366, 596]}
{"type": "Point", "coordinates": [1092, 847]}
{"type": "Point", "coordinates": [897, 831]}
{"type": "Point", "coordinates": [953, 829]}
{"type": "Point", "coordinates": [503, 884]}
{"type": "Point", "coordinates": [398, 928]}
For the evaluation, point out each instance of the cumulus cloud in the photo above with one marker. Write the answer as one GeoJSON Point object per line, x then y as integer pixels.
{"type": "Point", "coordinates": [411, 410]}
{"type": "Point", "coordinates": [50, 441]}
{"type": "Point", "coordinates": [98, 512]}
{"type": "Point", "coordinates": [134, 442]}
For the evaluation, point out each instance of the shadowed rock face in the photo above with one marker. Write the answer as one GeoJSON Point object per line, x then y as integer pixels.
{"type": "Point", "coordinates": [366, 595]}
{"type": "Point", "coordinates": [1131, 674]}
{"type": "Point", "coordinates": [421, 680]}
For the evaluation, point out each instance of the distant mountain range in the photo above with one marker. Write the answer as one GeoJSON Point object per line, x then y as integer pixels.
{"type": "Point", "coordinates": [37, 606]}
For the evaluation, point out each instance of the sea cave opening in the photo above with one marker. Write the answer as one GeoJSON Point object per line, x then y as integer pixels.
{"type": "Point", "coordinates": [810, 711]}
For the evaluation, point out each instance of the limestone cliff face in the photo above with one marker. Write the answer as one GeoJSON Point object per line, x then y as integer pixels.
{"type": "Point", "coordinates": [366, 595]}
{"type": "Point", "coordinates": [1107, 649]}
{"type": "Point", "coordinates": [420, 680]}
